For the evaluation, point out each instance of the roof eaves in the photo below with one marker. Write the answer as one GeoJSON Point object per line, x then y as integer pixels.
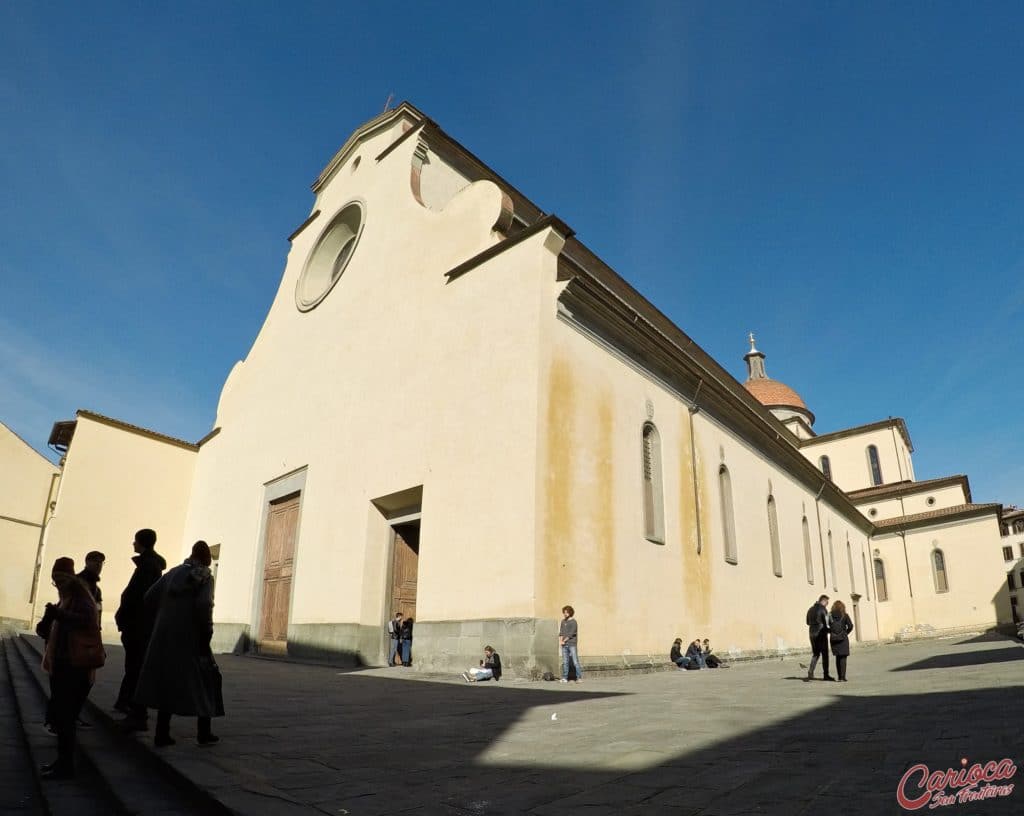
{"type": "Point", "coordinates": [136, 429]}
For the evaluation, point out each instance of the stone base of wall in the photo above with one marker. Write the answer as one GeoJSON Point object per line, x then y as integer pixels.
{"type": "Point", "coordinates": [230, 638]}
{"type": "Point", "coordinates": [923, 631]}
{"type": "Point", "coordinates": [528, 646]}
{"type": "Point", "coordinates": [13, 625]}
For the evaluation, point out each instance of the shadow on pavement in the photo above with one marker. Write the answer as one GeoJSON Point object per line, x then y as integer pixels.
{"type": "Point", "coordinates": [961, 659]}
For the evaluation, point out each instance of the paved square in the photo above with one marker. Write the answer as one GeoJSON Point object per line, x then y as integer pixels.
{"type": "Point", "coordinates": [753, 738]}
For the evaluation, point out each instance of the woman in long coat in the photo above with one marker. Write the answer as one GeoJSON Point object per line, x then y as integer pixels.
{"type": "Point", "coordinates": [179, 675]}
{"type": "Point", "coordinates": [839, 628]}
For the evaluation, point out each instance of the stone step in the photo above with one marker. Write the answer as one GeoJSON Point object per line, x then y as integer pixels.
{"type": "Point", "coordinates": [84, 795]}
{"type": "Point", "coordinates": [132, 774]}
{"type": "Point", "coordinates": [19, 792]}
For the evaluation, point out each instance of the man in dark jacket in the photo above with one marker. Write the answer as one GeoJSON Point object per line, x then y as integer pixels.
{"type": "Point", "coordinates": [817, 630]}
{"type": "Point", "coordinates": [136, 624]}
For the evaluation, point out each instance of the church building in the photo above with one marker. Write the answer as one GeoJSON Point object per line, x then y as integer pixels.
{"type": "Point", "coordinates": [455, 409]}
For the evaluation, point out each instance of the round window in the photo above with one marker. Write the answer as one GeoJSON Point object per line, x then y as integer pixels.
{"type": "Point", "coordinates": [931, 500]}
{"type": "Point", "coordinates": [329, 257]}
{"type": "Point", "coordinates": [872, 512]}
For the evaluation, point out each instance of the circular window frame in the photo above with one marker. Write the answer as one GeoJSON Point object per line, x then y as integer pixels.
{"type": "Point", "coordinates": [305, 303]}
{"type": "Point", "coordinates": [930, 501]}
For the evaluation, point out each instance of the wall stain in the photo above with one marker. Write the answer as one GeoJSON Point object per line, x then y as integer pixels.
{"type": "Point", "coordinates": [695, 587]}
{"type": "Point", "coordinates": [560, 434]}
{"type": "Point", "coordinates": [604, 474]}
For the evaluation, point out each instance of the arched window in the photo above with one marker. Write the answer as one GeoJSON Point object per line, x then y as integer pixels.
{"type": "Point", "coordinates": [939, 571]}
{"type": "Point", "coordinates": [826, 467]}
{"type": "Point", "coordinates": [808, 558]}
{"type": "Point", "coordinates": [728, 519]}
{"type": "Point", "coordinates": [881, 590]}
{"type": "Point", "coordinates": [773, 534]}
{"type": "Point", "coordinates": [832, 563]}
{"type": "Point", "coordinates": [864, 566]}
{"type": "Point", "coordinates": [1018, 526]}
{"type": "Point", "coordinates": [849, 563]}
{"type": "Point", "coordinates": [875, 465]}
{"type": "Point", "coordinates": [654, 502]}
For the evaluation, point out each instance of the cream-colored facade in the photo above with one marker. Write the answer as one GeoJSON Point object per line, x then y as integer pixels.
{"type": "Point", "coordinates": [117, 478]}
{"type": "Point", "coordinates": [28, 483]}
{"type": "Point", "coordinates": [454, 406]}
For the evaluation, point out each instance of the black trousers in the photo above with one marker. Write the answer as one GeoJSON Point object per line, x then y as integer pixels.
{"type": "Point", "coordinates": [69, 688]}
{"type": "Point", "coordinates": [819, 645]}
{"type": "Point", "coordinates": [134, 654]}
{"type": "Point", "coordinates": [841, 666]}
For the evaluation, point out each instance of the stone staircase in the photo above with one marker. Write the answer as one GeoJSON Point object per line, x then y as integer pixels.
{"type": "Point", "coordinates": [116, 773]}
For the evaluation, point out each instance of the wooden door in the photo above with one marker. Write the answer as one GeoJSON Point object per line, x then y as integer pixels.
{"type": "Point", "coordinates": [278, 566]}
{"type": "Point", "coordinates": [404, 569]}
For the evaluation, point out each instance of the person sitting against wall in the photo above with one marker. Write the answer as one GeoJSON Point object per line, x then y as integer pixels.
{"type": "Point", "coordinates": [676, 656]}
{"type": "Point", "coordinates": [490, 668]}
{"type": "Point", "coordinates": [696, 654]}
{"type": "Point", "coordinates": [712, 660]}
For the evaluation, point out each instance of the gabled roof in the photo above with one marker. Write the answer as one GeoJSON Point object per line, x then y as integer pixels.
{"type": "Point", "coordinates": [26, 444]}
{"type": "Point", "coordinates": [898, 422]}
{"type": "Point", "coordinates": [927, 519]}
{"type": "Point", "coordinates": [908, 487]}
{"type": "Point", "coordinates": [63, 432]}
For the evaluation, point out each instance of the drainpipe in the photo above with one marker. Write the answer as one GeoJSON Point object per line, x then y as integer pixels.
{"type": "Point", "coordinates": [693, 466]}
{"type": "Point", "coordinates": [47, 517]}
{"type": "Point", "coordinates": [821, 538]}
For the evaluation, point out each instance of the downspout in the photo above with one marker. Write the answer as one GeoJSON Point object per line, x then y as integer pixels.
{"type": "Point", "coordinates": [693, 466]}
{"type": "Point", "coordinates": [37, 569]}
{"type": "Point", "coordinates": [821, 538]}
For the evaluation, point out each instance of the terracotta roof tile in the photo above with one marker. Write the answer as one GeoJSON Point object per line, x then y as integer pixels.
{"type": "Point", "coordinates": [771, 392]}
{"type": "Point", "coordinates": [956, 510]}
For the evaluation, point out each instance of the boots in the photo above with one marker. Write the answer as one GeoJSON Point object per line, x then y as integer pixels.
{"type": "Point", "coordinates": [204, 736]}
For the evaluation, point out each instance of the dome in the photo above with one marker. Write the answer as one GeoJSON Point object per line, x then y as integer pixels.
{"type": "Point", "coordinates": [778, 397]}
{"type": "Point", "coordinates": [772, 393]}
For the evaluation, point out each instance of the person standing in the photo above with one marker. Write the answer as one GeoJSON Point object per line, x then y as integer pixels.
{"type": "Point", "coordinates": [839, 628]}
{"type": "Point", "coordinates": [394, 637]}
{"type": "Point", "coordinates": [817, 629]}
{"type": "Point", "coordinates": [568, 636]}
{"type": "Point", "coordinates": [179, 675]}
{"type": "Point", "coordinates": [91, 578]}
{"type": "Point", "coordinates": [405, 635]}
{"type": "Point", "coordinates": [70, 681]}
{"type": "Point", "coordinates": [135, 623]}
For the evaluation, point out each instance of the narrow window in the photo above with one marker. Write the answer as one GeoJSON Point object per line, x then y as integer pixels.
{"type": "Point", "coordinates": [832, 563]}
{"type": "Point", "coordinates": [808, 558]}
{"type": "Point", "coordinates": [728, 520]}
{"type": "Point", "coordinates": [1008, 553]}
{"type": "Point", "coordinates": [826, 467]}
{"type": "Point", "coordinates": [939, 569]}
{"type": "Point", "coordinates": [875, 465]}
{"type": "Point", "coordinates": [1018, 526]}
{"type": "Point", "coordinates": [773, 534]}
{"type": "Point", "coordinates": [864, 567]}
{"type": "Point", "coordinates": [1011, 582]}
{"type": "Point", "coordinates": [849, 563]}
{"type": "Point", "coordinates": [654, 502]}
{"type": "Point", "coordinates": [881, 590]}
{"type": "Point", "coordinates": [1021, 550]}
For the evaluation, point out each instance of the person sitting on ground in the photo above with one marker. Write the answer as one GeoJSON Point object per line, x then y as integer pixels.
{"type": "Point", "coordinates": [696, 654]}
{"type": "Point", "coordinates": [712, 660]}
{"type": "Point", "coordinates": [490, 667]}
{"type": "Point", "coordinates": [676, 655]}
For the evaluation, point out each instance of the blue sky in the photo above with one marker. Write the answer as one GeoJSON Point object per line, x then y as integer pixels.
{"type": "Point", "coordinates": [844, 179]}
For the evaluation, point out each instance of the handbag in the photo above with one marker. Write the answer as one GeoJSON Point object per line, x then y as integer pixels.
{"type": "Point", "coordinates": [213, 683]}
{"type": "Point", "coordinates": [85, 649]}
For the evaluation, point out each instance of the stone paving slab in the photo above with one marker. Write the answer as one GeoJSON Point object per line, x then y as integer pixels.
{"type": "Point", "coordinates": [754, 738]}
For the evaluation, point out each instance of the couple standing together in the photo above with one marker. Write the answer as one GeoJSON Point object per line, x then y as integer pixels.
{"type": "Point", "coordinates": [400, 634]}
{"type": "Point", "coordinates": [825, 628]}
